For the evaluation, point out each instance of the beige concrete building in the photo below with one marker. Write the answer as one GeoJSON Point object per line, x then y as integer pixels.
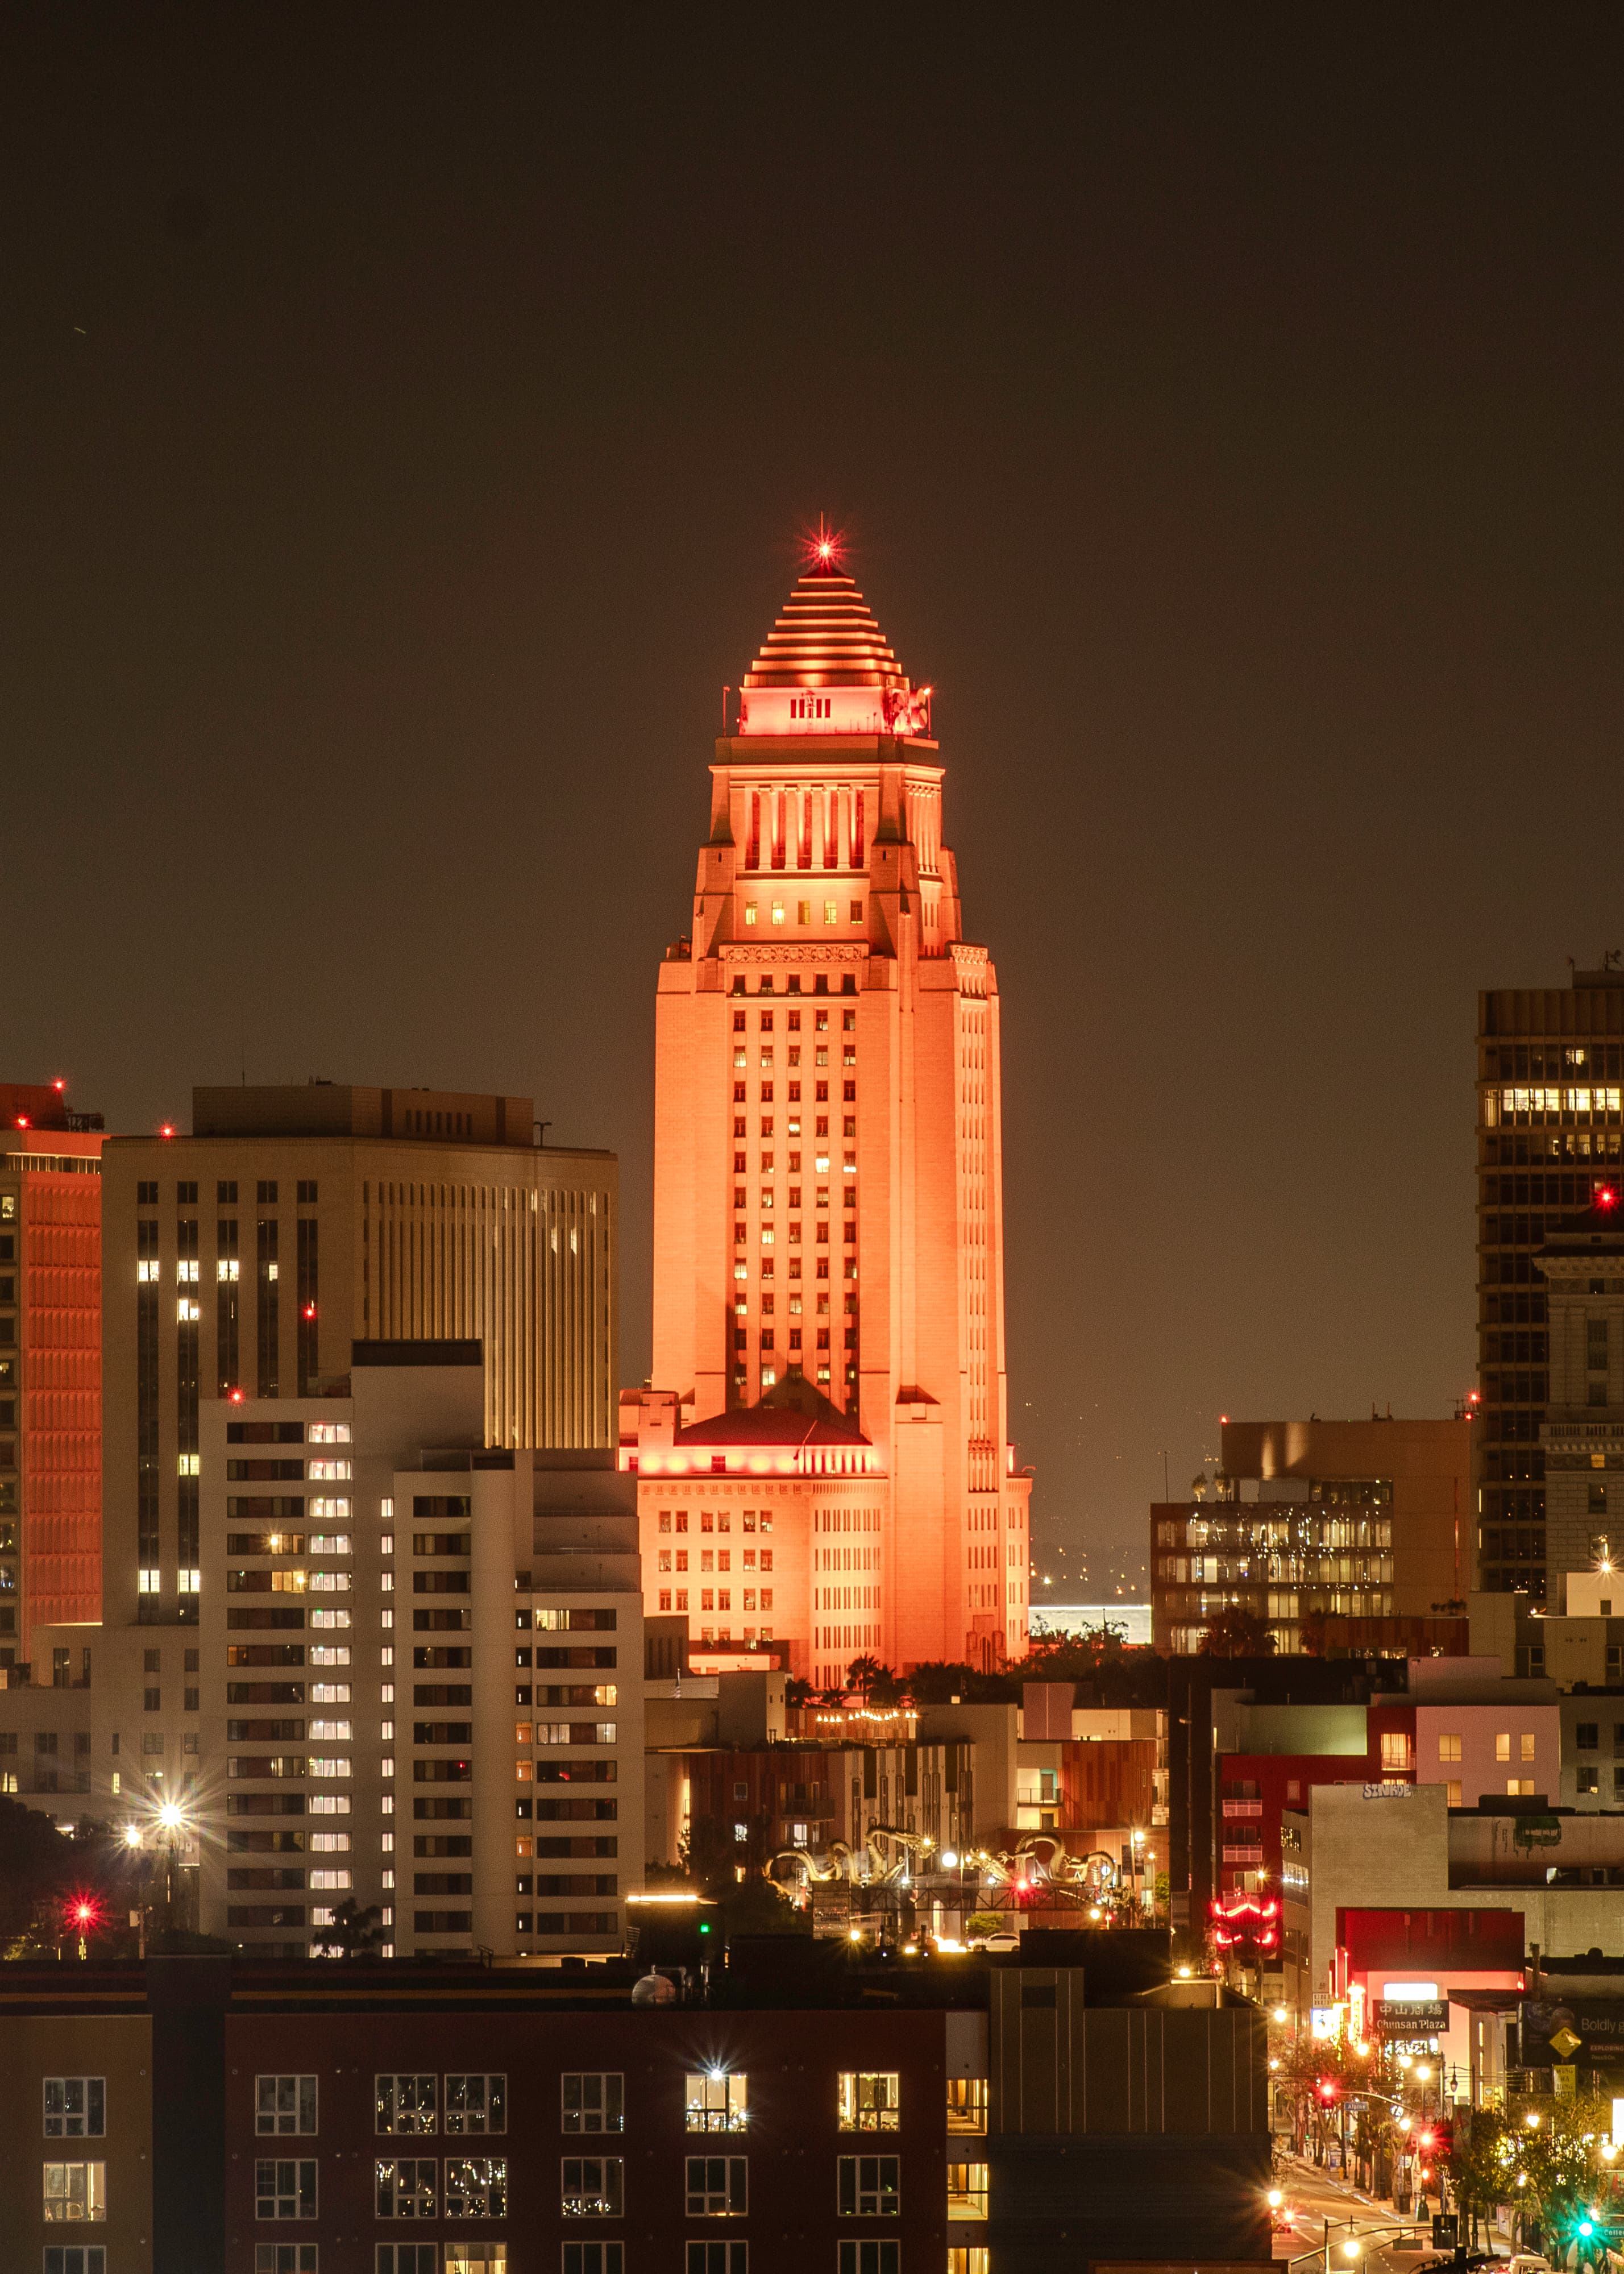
{"type": "Point", "coordinates": [1367, 1523]}
{"type": "Point", "coordinates": [247, 1258]}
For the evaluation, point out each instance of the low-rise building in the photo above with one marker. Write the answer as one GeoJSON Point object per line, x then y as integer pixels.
{"type": "Point", "coordinates": [846, 2116]}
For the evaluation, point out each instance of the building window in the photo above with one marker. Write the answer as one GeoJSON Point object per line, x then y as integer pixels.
{"type": "Point", "coordinates": [1502, 1745]}
{"type": "Point", "coordinates": [1520, 1788]}
{"type": "Point", "coordinates": [870, 2258]}
{"type": "Point", "coordinates": [1587, 1737]}
{"type": "Point", "coordinates": [591, 2258]}
{"type": "Point", "coordinates": [715, 2101]}
{"type": "Point", "coordinates": [284, 2103]}
{"type": "Point", "coordinates": [1396, 1754]}
{"type": "Point", "coordinates": [592, 2102]}
{"type": "Point", "coordinates": [593, 2186]}
{"type": "Point", "coordinates": [289, 2258]}
{"type": "Point", "coordinates": [286, 2189]}
{"type": "Point", "coordinates": [1448, 1749]}
{"type": "Point", "coordinates": [74, 2192]}
{"type": "Point", "coordinates": [75, 2107]}
{"type": "Point", "coordinates": [717, 2187]}
{"type": "Point", "coordinates": [491, 2258]}
{"type": "Point", "coordinates": [405, 2188]}
{"type": "Point", "coordinates": [870, 2101]}
{"type": "Point", "coordinates": [1526, 1743]}
{"type": "Point", "coordinates": [475, 2187]}
{"type": "Point", "coordinates": [1589, 1780]}
{"type": "Point", "coordinates": [973, 2259]}
{"type": "Point", "coordinates": [966, 2104]}
{"type": "Point", "coordinates": [407, 2104]}
{"type": "Point", "coordinates": [1452, 1794]}
{"type": "Point", "coordinates": [870, 2187]}
{"type": "Point", "coordinates": [476, 2103]}
{"type": "Point", "coordinates": [79, 2258]}
{"type": "Point", "coordinates": [966, 2191]}
{"type": "Point", "coordinates": [718, 2258]}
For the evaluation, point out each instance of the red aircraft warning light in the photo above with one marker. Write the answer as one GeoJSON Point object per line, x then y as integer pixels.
{"type": "Point", "coordinates": [166, 1129]}
{"type": "Point", "coordinates": [1606, 1197]}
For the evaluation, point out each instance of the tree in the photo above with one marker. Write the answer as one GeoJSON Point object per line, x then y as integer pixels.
{"type": "Point", "coordinates": [351, 1932]}
{"type": "Point", "coordinates": [1236, 1633]}
{"type": "Point", "coordinates": [40, 1869]}
{"type": "Point", "coordinates": [797, 1692]}
{"type": "Point", "coordinates": [866, 1674]}
{"type": "Point", "coordinates": [1542, 2158]}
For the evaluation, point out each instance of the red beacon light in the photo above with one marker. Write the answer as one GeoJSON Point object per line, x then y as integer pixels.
{"type": "Point", "coordinates": [1605, 1198]}
{"type": "Point", "coordinates": [234, 1397]}
{"type": "Point", "coordinates": [310, 1310]}
{"type": "Point", "coordinates": [166, 1129]}
{"type": "Point", "coordinates": [59, 1085]}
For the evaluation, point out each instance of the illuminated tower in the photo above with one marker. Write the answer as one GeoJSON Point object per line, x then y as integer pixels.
{"type": "Point", "coordinates": [829, 1362]}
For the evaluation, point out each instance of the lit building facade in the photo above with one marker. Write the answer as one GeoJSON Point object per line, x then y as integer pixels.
{"type": "Point", "coordinates": [1549, 1132]}
{"type": "Point", "coordinates": [1360, 1530]}
{"type": "Point", "coordinates": [829, 1347]}
{"type": "Point", "coordinates": [50, 1364]}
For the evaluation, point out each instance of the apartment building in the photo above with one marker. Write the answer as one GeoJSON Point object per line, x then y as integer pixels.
{"type": "Point", "coordinates": [862, 2117]}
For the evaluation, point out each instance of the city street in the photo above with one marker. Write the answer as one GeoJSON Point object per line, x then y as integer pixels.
{"type": "Point", "coordinates": [1313, 2196]}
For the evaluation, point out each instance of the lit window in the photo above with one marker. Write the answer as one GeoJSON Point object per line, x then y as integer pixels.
{"type": "Point", "coordinates": [1448, 1748]}
{"type": "Point", "coordinates": [831, 911]}
{"type": "Point", "coordinates": [778, 912]}
{"type": "Point", "coordinates": [870, 2101]}
{"type": "Point", "coordinates": [286, 2189]}
{"type": "Point", "coordinates": [147, 1273]}
{"type": "Point", "coordinates": [75, 2192]}
{"type": "Point", "coordinates": [327, 1432]}
{"type": "Point", "coordinates": [148, 1584]}
{"type": "Point", "coordinates": [966, 2191]}
{"type": "Point", "coordinates": [284, 2103]}
{"type": "Point", "coordinates": [1502, 1745]}
{"type": "Point", "coordinates": [1452, 1794]}
{"type": "Point", "coordinates": [750, 912]}
{"type": "Point", "coordinates": [870, 2187]}
{"type": "Point", "coordinates": [1527, 1746]}
{"type": "Point", "coordinates": [966, 2104]}
{"type": "Point", "coordinates": [972, 2258]}
{"type": "Point", "coordinates": [715, 2101]}
{"type": "Point", "coordinates": [592, 2100]}
{"type": "Point", "coordinates": [803, 911]}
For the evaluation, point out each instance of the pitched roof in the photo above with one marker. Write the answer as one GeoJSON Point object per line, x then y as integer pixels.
{"type": "Point", "coordinates": [826, 637]}
{"type": "Point", "coordinates": [793, 1413]}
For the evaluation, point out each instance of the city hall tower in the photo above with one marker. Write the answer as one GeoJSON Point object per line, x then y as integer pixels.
{"type": "Point", "coordinates": [823, 1457]}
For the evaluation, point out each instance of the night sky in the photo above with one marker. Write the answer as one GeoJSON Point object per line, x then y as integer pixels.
{"type": "Point", "coordinates": [408, 418]}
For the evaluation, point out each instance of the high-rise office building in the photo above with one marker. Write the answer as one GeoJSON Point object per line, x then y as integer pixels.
{"type": "Point", "coordinates": [823, 1457]}
{"type": "Point", "coordinates": [1550, 1135]}
{"type": "Point", "coordinates": [246, 1258]}
{"type": "Point", "coordinates": [50, 1363]}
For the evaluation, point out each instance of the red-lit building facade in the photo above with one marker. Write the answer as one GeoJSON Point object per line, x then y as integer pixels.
{"type": "Point", "coordinates": [828, 1394]}
{"type": "Point", "coordinates": [50, 1364]}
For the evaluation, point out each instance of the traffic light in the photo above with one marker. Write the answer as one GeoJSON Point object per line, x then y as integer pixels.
{"type": "Point", "coordinates": [1326, 2089]}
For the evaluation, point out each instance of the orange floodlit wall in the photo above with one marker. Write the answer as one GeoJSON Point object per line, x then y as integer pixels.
{"type": "Point", "coordinates": [829, 1268]}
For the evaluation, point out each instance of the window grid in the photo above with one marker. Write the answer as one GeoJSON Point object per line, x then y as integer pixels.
{"type": "Point", "coordinates": [285, 2104]}
{"type": "Point", "coordinates": [407, 2105]}
{"type": "Point", "coordinates": [405, 2186]}
{"type": "Point", "coordinates": [75, 2107]}
{"type": "Point", "coordinates": [592, 2100]}
{"type": "Point", "coordinates": [715, 2101]}
{"type": "Point", "coordinates": [593, 2186]}
{"type": "Point", "coordinates": [870, 2100]}
{"type": "Point", "coordinates": [285, 2189]}
{"type": "Point", "coordinates": [74, 2192]}
{"type": "Point", "coordinates": [717, 2187]}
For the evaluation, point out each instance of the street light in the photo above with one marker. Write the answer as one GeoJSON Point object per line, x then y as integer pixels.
{"type": "Point", "coordinates": [1350, 2248]}
{"type": "Point", "coordinates": [1275, 2198]}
